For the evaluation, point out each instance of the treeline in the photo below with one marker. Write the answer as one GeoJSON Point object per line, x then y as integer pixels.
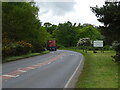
{"type": "Point", "coordinates": [23, 32]}
{"type": "Point", "coordinates": [21, 29]}
{"type": "Point", "coordinates": [68, 34]}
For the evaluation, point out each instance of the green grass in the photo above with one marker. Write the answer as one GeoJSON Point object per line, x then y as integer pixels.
{"type": "Point", "coordinates": [99, 70]}
{"type": "Point", "coordinates": [14, 58]}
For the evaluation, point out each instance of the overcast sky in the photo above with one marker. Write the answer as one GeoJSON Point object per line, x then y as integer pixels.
{"type": "Point", "coordinates": [60, 11]}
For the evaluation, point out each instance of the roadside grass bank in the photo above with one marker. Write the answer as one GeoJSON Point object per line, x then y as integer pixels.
{"type": "Point", "coordinates": [14, 58]}
{"type": "Point", "coordinates": [99, 70]}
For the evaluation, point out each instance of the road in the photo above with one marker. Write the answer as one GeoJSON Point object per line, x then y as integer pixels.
{"type": "Point", "coordinates": [53, 70]}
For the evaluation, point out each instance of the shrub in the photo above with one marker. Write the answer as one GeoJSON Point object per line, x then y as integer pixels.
{"type": "Point", "coordinates": [86, 47]}
{"type": "Point", "coordinates": [60, 46]}
{"type": "Point", "coordinates": [15, 49]}
{"type": "Point", "coordinates": [6, 51]}
{"type": "Point", "coordinates": [37, 47]}
{"type": "Point", "coordinates": [116, 58]}
{"type": "Point", "coordinates": [115, 44]}
{"type": "Point", "coordinates": [23, 47]}
{"type": "Point", "coordinates": [107, 47]}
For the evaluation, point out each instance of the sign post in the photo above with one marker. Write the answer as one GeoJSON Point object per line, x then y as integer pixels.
{"type": "Point", "coordinates": [98, 43]}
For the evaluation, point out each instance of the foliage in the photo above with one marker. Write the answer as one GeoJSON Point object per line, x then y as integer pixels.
{"type": "Point", "coordinates": [65, 34]}
{"type": "Point", "coordinates": [84, 42]}
{"type": "Point", "coordinates": [49, 27]}
{"type": "Point", "coordinates": [117, 56]}
{"type": "Point", "coordinates": [23, 43]}
{"type": "Point", "coordinates": [109, 15]}
{"type": "Point", "coordinates": [19, 19]}
{"type": "Point", "coordinates": [108, 47]}
{"type": "Point", "coordinates": [60, 46]}
{"type": "Point", "coordinates": [14, 49]}
{"type": "Point", "coordinates": [89, 32]}
{"type": "Point", "coordinates": [20, 25]}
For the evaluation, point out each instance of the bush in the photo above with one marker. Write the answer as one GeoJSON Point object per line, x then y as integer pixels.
{"type": "Point", "coordinates": [115, 44]}
{"type": "Point", "coordinates": [23, 47]}
{"type": "Point", "coordinates": [60, 46]}
{"type": "Point", "coordinates": [86, 47]}
{"type": "Point", "coordinates": [117, 56]}
{"type": "Point", "coordinates": [15, 49]}
{"type": "Point", "coordinates": [107, 47]}
{"type": "Point", "coordinates": [37, 47]}
{"type": "Point", "coordinates": [6, 51]}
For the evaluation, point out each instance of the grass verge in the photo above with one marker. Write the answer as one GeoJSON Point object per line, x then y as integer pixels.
{"type": "Point", "coordinates": [14, 58]}
{"type": "Point", "coordinates": [99, 70]}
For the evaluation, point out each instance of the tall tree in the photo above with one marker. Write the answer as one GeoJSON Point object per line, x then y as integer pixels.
{"type": "Point", "coordinates": [19, 20]}
{"type": "Point", "coordinates": [49, 27]}
{"type": "Point", "coordinates": [109, 15]}
{"type": "Point", "coordinates": [89, 32]}
{"type": "Point", "coordinates": [65, 34]}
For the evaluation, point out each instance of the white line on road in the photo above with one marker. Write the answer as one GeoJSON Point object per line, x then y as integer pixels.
{"type": "Point", "coordinates": [22, 71]}
{"type": "Point", "coordinates": [36, 65]}
{"type": "Point", "coordinates": [49, 62]}
{"type": "Point", "coordinates": [30, 67]}
{"type": "Point", "coordinates": [68, 82]}
{"type": "Point", "coordinates": [10, 75]}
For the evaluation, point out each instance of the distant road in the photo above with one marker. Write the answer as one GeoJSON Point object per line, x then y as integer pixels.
{"type": "Point", "coordinates": [53, 70]}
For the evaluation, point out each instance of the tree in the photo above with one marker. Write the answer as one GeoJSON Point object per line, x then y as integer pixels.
{"type": "Point", "coordinates": [89, 32]}
{"type": "Point", "coordinates": [65, 34]}
{"type": "Point", "coordinates": [20, 24]}
{"type": "Point", "coordinates": [19, 20]}
{"type": "Point", "coordinates": [49, 27]}
{"type": "Point", "coordinates": [47, 24]}
{"type": "Point", "coordinates": [109, 15]}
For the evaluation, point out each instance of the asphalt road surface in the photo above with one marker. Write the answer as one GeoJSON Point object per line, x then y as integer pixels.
{"type": "Point", "coordinates": [52, 70]}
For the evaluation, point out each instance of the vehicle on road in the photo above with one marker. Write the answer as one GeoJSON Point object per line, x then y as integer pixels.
{"type": "Point", "coordinates": [51, 45]}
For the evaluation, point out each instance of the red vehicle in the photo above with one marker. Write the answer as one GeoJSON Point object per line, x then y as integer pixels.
{"type": "Point", "coordinates": [51, 45]}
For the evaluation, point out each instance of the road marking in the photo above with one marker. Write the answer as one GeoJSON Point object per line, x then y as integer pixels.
{"type": "Point", "coordinates": [22, 71]}
{"type": "Point", "coordinates": [36, 65]}
{"type": "Point", "coordinates": [30, 67]}
{"type": "Point", "coordinates": [49, 62]}
{"type": "Point", "coordinates": [68, 82]}
{"type": "Point", "coordinates": [17, 72]}
{"type": "Point", "coordinates": [26, 69]}
{"type": "Point", "coordinates": [10, 75]}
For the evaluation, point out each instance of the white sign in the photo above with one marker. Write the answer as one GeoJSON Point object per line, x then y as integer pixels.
{"type": "Point", "coordinates": [98, 43]}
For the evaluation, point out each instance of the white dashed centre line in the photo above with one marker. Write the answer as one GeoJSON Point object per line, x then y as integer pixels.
{"type": "Point", "coordinates": [49, 62]}
{"type": "Point", "coordinates": [10, 75]}
{"type": "Point", "coordinates": [22, 71]}
{"type": "Point", "coordinates": [30, 67]}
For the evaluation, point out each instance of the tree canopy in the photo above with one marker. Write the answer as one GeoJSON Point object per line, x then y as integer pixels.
{"type": "Point", "coordinates": [89, 32]}
{"type": "Point", "coordinates": [21, 27]}
{"type": "Point", "coordinates": [109, 15]}
{"type": "Point", "coordinates": [65, 34]}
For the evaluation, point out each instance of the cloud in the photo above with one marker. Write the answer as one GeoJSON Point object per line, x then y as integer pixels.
{"type": "Point", "coordinates": [56, 8]}
{"type": "Point", "coordinates": [74, 11]}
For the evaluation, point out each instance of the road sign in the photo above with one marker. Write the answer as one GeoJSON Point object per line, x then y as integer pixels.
{"type": "Point", "coordinates": [98, 43]}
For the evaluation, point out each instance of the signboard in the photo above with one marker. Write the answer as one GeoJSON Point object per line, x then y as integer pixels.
{"type": "Point", "coordinates": [98, 43]}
